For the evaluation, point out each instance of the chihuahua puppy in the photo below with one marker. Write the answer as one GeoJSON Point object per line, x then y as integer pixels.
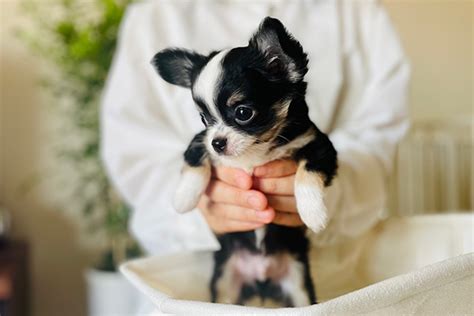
{"type": "Point", "coordinates": [252, 103]}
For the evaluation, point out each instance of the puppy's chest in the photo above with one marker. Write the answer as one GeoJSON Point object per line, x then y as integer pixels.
{"type": "Point", "coordinates": [250, 160]}
{"type": "Point", "coordinates": [261, 154]}
{"type": "Point", "coordinates": [248, 267]}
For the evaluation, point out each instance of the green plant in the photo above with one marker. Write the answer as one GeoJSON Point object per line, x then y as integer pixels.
{"type": "Point", "coordinates": [78, 39]}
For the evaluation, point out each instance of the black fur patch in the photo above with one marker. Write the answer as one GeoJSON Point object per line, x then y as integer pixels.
{"type": "Point", "coordinates": [264, 290]}
{"type": "Point", "coordinates": [196, 152]}
{"type": "Point", "coordinates": [229, 243]}
{"type": "Point", "coordinates": [204, 111]}
{"type": "Point", "coordinates": [179, 66]}
{"type": "Point", "coordinates": [276, 43]}
{"type": "Point", "coordinates": [297, 123]}
{"type": "Point", "coordinates": [257, 92]}
{"type": "Point", "coordinates": [278, 239]}
{"type": "Point", "coordinates": [321, 156]}
{"type": "Point", "coordinates": [261, 82]}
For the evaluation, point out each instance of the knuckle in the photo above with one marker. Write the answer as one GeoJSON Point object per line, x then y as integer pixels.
{"type": "Point", "coordinates": [291, 205]}
{"type": "Point", "coordinates": [211, 209]}
{"type": "Point", "coordinates": [273, 202]}
{"type": "Point", "coordinates": [291, 165]}
{"type": "Point", "coordinates": [224, 228]}
{"type": "Point", "coordinates": [234, 196]}
{"type": "Point", "coordinates": [219, 191]}
{"type": "Point", "coordinates": [228, 213]}
{"type": "Point", "coordinates": [278, 217]}
{"type": "Point", "coordinates": [239, 197]}
{"type": "Point", "coordinates": [292, 220]}
{"type": "Point", "coordinates": [221, 173]}
{"type": "Point", "coordinates": [226, 174]}
{"type": "Point", "coordinates": [242, 214]}
{"type": "Point", "coordinates": [251, 215]}
{"type": "Point", "coordinates": [271, 185]}
{"type": "Point", "coordinates": [211, 188]}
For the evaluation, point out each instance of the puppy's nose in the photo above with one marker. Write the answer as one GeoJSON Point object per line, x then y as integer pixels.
{"type": "Point", "coordinates": [219, 144]}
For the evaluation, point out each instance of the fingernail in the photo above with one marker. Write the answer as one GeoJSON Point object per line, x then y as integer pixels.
{"type": "Point", "coordinates": [254, 201]}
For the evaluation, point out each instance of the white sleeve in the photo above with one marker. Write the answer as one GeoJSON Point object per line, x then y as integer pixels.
{"type": "Point", "coordinates": [143, 142]}
{"type": "Point", "coordinates": [367, 136]}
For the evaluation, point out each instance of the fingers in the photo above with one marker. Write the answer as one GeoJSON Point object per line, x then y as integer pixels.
{"type": "Point", "coordinates": [223, 218]}
{"type": "Point", "coordinates": [232, 176]}
{"type": "Point", "coordinates": [231, 204]}
{"type": "Point", "coordinates": [287, 219]}
{"type": "Point", "coordinates": [232, 212]}
{"type": "Point", "coordinates": [282, 203]}
{"type": "Point", "coordinates": [231, 226]}
{"type": "Point", "coordinates": [221, 192]}
{"type": "Point", "coordinates": [276, 186]}
{"type": "Point", "coordinates": [276, 169]}
{"type": "Point", "coordinates": [286, 211]}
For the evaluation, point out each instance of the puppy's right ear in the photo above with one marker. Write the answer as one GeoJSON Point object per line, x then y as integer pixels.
{"type": "Point", "coordinates": [283, 54]}
{"type": "Point", "coordinates": [178, 66]}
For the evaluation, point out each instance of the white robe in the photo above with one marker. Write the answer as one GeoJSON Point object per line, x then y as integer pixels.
{"type": "Point", "coordinates": [357, 92]}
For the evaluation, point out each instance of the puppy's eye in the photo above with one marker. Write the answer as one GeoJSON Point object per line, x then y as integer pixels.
{"type": "Point", "coordinates": [203, 119]}
{"type": "Point", "coordinates": [244, 114]}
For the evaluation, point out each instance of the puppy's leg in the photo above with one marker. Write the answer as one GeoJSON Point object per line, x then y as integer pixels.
{"type": "Point", "coordinates": [309, 194]}
{"type": "Point", "coordinates": [221, 257]}
{"type": "Point", "coordinates": [308, 281]}
{"type": "Point", "coordinates": [194, 176]}
{"type": "Point", "coordinates": [316, 169]}
{"type": "Point", "coordinates": [294, 285]}
{"type": "Point", "coordinates": [193, 183]}
{"type": "Point", "coordinates": [227, 286]}
{"type": "Point", "coordinates": [216, 274]}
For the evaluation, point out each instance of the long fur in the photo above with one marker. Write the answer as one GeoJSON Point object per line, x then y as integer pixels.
{"type": "Point", "coordinates": [252, 103]}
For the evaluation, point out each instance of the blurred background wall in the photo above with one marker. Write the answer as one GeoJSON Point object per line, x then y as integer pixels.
{"type": "Point", "coordinates": [57, 259]}
{"type": "Point", "coordinates": [437, 36]}
{"type": "Point", "coordinates": [434, 166]}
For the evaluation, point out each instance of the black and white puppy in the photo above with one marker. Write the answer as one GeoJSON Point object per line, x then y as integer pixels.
{"type": "Point", "coordinates": [252, 103]}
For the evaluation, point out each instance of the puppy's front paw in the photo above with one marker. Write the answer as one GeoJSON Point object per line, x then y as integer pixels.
{"type": "Point", "coordinates": [193, 183]}
{"type": "Point", "coordinates": [309, 194]}
{"type": "Point", "coordinates": [311, 207]}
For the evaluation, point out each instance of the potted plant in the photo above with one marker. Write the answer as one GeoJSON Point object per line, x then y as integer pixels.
{"type": "Point", "coordinates": [77, 39]}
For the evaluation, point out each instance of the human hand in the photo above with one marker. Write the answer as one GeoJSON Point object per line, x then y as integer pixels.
{"type": "Point", "coordinates": [276, 180]}
{"type": "Point", "coordinates": [230, 205]}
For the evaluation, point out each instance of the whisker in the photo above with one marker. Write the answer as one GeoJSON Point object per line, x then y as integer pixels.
{"type": "Point", "coordinates": [284, 138]}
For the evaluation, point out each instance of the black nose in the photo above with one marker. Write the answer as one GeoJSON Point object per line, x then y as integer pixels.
{"type": "Point", "coordinates": [219, 144]}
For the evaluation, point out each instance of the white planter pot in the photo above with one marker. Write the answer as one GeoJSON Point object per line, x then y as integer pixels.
{"type": "Point", "coordinates": [110, 294]}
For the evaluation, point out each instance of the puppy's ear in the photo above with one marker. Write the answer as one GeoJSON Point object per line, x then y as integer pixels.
{"type": "Point", "coordinates": [178, 66]}
{"type": "Point", "coordinates": [283, 54]}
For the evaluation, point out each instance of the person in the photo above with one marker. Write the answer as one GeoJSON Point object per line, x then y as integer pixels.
{"type": "Point", "coordinates": [357, 93]}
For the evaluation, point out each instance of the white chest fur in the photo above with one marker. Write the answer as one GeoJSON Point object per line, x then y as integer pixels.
{"type": "Point", "coordinates": [244, 267]}
{"type": "Point", "coordinates": [260, 154]}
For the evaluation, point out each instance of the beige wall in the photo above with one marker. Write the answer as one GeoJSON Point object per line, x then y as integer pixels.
{"type": "Point", "coordinates": [437, 36]}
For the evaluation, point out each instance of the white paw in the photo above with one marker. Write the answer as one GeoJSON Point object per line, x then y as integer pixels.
{"type": "Point", "coordinates": [193, 183]}
{"type": "Point", "coordinates": [311, 208]}
{"type": "Point", "coordinates": [309, 194]}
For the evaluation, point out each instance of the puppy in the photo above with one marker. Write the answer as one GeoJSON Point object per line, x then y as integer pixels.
{"type": "Point", "coordinates": [252, 103]}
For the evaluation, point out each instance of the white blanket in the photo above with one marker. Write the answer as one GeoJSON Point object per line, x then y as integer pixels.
{"type": "Point", "coordinates": [425, 264]}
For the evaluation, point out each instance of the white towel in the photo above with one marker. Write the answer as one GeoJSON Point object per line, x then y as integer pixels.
{"type": "Point", "coordinates": [409, 254]}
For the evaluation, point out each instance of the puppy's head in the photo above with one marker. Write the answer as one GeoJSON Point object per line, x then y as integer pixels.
{"type": "Point", "coordinates": [242, 94]}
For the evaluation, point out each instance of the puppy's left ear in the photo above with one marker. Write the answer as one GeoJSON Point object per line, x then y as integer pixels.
{"type": "Point", "coordinates": [283, 54]}
{"type": "Point", "coordinates": [178, 66]}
